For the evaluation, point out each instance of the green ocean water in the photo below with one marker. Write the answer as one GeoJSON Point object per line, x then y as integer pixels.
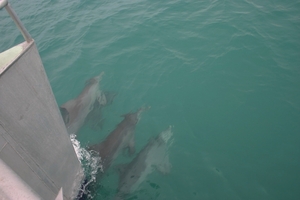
{"type": "Point", "coordinates": [224, 73]}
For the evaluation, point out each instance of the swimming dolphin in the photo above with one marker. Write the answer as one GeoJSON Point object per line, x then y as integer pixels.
{"type": "Point", "coordinates": [153, 155]}
{"type": "Point", "coordinates": [120, 138]}
{"type": "Point", "coordinates": [94, 119]}
{"type": "Point", "coordinates": [75, 111]}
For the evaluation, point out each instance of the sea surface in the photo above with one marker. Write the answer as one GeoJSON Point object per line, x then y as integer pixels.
{"type": "Point", "coordinates": [224, 73]}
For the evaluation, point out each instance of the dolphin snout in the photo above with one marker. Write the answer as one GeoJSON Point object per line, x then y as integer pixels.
{"type": "Point", "coordinates": [142, 109]}
{"type": "Point", "coordinates": [99, 77]}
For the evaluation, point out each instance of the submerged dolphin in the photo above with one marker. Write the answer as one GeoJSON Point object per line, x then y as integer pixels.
{"type": "Point", "coordinates": [121, 137]}
{"type": "Point", "coordinates": [154, 154]}
{"type": "Point", "coordinates": [76, 110]}
{"type": "Point", "coordinates": [94, 119]}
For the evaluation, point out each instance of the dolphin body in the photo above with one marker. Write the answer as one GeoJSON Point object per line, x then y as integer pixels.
{"type": "Point", "coordinates": [120, 138]}
{"type": "Point", "coordinates": [94, 119]}
{"type": "Point", "coordinates": [75, 111]}
{"type": "Point", "coordinates": [154, 154]}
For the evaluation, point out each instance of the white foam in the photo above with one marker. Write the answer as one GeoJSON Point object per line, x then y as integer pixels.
{"type": "Point", "coordinates": [89, 161]}
{"type": "Point", "coordinates": [84, 155]}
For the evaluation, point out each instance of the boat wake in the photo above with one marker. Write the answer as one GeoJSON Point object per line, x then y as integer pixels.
{"type": "Point", "coordinates": [90, 162]}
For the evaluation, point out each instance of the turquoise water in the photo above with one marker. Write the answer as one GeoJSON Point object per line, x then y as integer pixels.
{"type": "Point", "coordinates": [225, 74]}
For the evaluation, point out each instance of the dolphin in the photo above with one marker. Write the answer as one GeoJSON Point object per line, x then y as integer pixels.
{"type": "Point", "coordinates": [94, 119]}
{"type": "Point", "coordinates": [120, 138]}
{"type": "Point", "coordinates": [75, 111]}
{"type": "Point", "coordinates": [153, 156]}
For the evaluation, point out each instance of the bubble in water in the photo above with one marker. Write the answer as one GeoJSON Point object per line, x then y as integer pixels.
{"type": "Point", "coordinates": [90, 162]}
